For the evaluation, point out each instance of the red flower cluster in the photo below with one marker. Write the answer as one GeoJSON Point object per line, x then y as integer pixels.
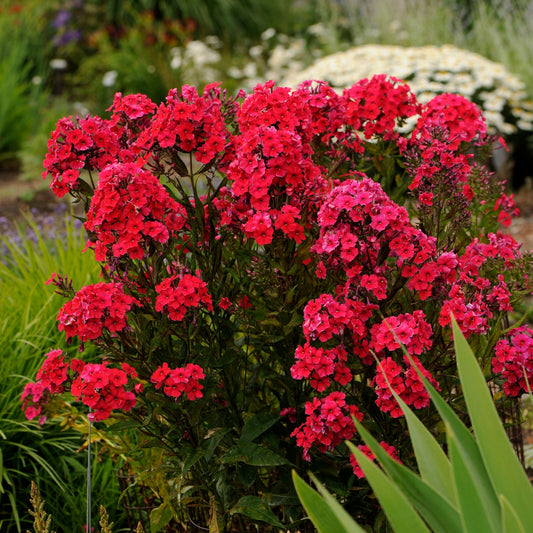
{"type": "Point", "coordinates": [475, 296]}
{"type": "Point", "coordinates": [177, 381]}
{"type": "Point", "coordinates": [179, 292]}
{"type": "Point", "coordinates": [100, 387]}
{"type": "Point", "coordinates": [129, 211]}
{"type": "Point", "coordinates": [94, 310]}
{"type": "Point", "coordinates": [376, 106]}
{"type": "Point", "coordinates": [319, 364]}
{"type": "Point", "coordinates": [462, 119]}
{"type": "Point", "coordinates": [273, 158]}
{"type": "Point", "coordinates": [329, 422]}
{"type": "Point", "coordinates": [34, 398]}
{"type": "Point", "coordinates": [406, 383]}
{"type": "Point", "coordinates": [53, 372]}
{"type": "Point", "coordinates": [358, 222]}
{"type": "Point", "coordinates": [514, 361]}
{"type": "Point", "coordinates": [89, 143]}
{"type": "Point", "coordinates": [368, 452]}
{"type": "Point", "coordinates": [103, 388]}
{"type": "Point", "coordinates": [409, 330]}
{"type": "Point", "coordinates": [188, 122]}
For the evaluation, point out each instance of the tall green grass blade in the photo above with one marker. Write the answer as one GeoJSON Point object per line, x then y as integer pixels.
{"type": "Point", "coordinates": [501, 462]}
{"type": "Point", "coordinates": [396, 505]}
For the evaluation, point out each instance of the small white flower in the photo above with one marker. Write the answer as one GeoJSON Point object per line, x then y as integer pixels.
{"type": "Point", "coordinates": [268, 34]}
{"type": "Point", "coordinates": [58, 64]}
{"type": "Point", "coordinates": [109, 78]}
{"type": "Point", "coordinates": [256, 51]}
{"type": "Point", "coordinates": [175, 62]}
{"type": "Point", "coordinates": [234, 72]}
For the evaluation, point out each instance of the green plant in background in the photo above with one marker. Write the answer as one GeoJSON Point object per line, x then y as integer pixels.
{"type": "Point", "coordinates": [27, 325]}
{"type": "Point", "coordinates": [479, 486]}
{"type": "Point", "coordinates": [22, 74]}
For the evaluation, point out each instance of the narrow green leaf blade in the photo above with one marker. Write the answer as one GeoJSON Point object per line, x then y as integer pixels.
{"type": "Point", "coordinates": [437, 511]}
{"type": "Point", "coordinates": [475, 512]}
{"type": "Point", "coordinates": [510, 521]}
{"type": "Point", "coordinates": [503, 466]}
{"type": "Point", "coordinates": [468, 447]}
{"type": "Point", "coordinates": [325, 516]}
{"type": "Point", "coordinates": [397, 507]}
{"type": "Point", "coordinates": [434, 465]}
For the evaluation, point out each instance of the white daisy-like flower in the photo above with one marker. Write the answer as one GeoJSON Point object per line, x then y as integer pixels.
{"type": "Point", "coordinates": [430, 70]}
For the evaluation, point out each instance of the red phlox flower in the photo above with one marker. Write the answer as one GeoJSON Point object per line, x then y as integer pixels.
{"type": "Point", "coordinates": [130, 209]}
{"type": "Point", "coordinates": [53, 372]}
{"type": "Point", "coordinates": [368, 452]}
{"type": "Point", "coordinates": [188, 122]}
{"type": "Point", "coordinates": [376, 106]}
{"type": "Point", "coordinates": [95, 309]}
{"type": "Point", "coordinates": [513, 360]}
{"type": "Point", "coordinates": [89, 143]}
{"type": "Point", "coordinates": [328, 423]}
{"type": "Point", "coordinates": [179, 292]}
{"type": "Point", "coordinates": [178, 381]}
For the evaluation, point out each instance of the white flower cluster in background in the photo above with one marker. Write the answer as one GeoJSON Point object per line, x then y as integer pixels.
{"type": "Point", "coordinates": [431, 70]}
{"type": "Point", "coordinates": [272, 59]}
{"type": "Point", "coordinates": [197, 60]}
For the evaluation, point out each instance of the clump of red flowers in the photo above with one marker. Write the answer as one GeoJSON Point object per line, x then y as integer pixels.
{"type": "Point", "coordinates": [329, 236]}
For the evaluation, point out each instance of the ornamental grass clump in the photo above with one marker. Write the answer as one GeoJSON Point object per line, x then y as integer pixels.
{"type": "Point", "coordinates": [429, 71]}
{"type": "Point", "coordinates": [258, 252]}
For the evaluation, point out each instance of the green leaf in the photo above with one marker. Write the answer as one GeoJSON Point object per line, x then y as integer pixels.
{"type": "Point", "coordinates": [160, 517]}
{"type": "Point", "coordinates": [433, 464]}
{"type": "Point", "coordinates": [256, 509]}
{"type": "Point", "coordinates": [326, 514]}
{"type": "Point", "coordinates": [396, 505]}
{"type": "Point", "coordinates": [206, 449]}
{"type": "Point", "coordinates": [475, 511]}
{"type": "Point", "coordinates": [253, 454]}
{"type": "Point", "coordinates": [437, 511]}
{"type": "Point", "coordinates": [469, 450]}
{"type": "Point", "coordinates": [501, 462]}
{"type": "Point", "coordinates": [257, 425]}
{"type": "Point", "coordinates": [510, 521]}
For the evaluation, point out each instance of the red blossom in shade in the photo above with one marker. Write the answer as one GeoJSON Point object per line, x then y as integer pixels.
{"type": "Point", "coordinates": [95, 309]}
{"type": "Point", "coordinates": [179, 292]}
{"type": "Point", "coordinates": [513, 360]}
{"type": "Point", "coordinates": [35, 397]}
{"type": "Point", "coordinates": [178, 381]}
{"type": "Point", "coordinates": [328, 423]}
{"type": "Point", "coordinates": [368, 452]}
